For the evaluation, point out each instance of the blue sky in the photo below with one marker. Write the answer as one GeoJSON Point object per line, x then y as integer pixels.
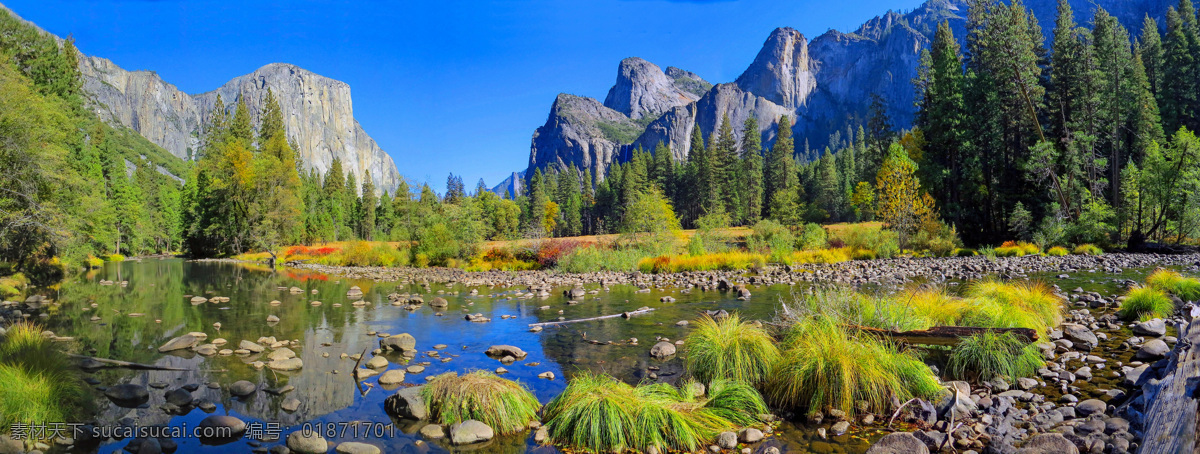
{"type": "Point", "coordinates": [443, 86]}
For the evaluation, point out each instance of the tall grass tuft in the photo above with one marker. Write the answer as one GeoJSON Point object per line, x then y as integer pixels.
{"type": "Point", "coordinates": [991, 354]}
{"type": "Point", "coordinates": [1186, 288]}
{"type": "Point", "coordinates": [825, 366]}
{"type": "Point", "coordinates": [729, 348]}
{"type": "Point", "coordinates": [705, 262]}
{"type": "Point", "coordinates": [504, 405]}
{"type": "Point", "coordinates": [1087, 249]}
{"type": "Point", "coordinates": [38, 384]}
{"type": "Point", "coordinates": [1057, 251]}
{"type": "Point", "coordinates": [1013, 305]}
{"type": "Point", "coordinates": [1145, 303]}
{"type": "Point", "coordinates": [821, 256]}
{"type": "Point", "coordinates": [597, 413]}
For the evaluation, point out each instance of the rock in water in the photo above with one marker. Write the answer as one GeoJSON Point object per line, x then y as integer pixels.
{"type": "Point", "coordinates": [899, 443]}
{"type": "Point", "coordinates": [354, 447]}
{"type": "Point", "coordinates": [402, 342]}
{"type": "Point", "coordinates": [251, 346]}
{"type": "Point", "coordinates": [470, 431]}
{"type": "Point", "coordinates": [180, 343]}
{"type": "Point", "coordinates": [1091, 407]}
{"type": "Point", "coordinates": [1080, 336]}
{"type": "Point", "coordinates": [438, 302]}
{"type": "Point", "coordinates": [1156, 328]}
{"type": "Point", "coordinates": [433, 431]}
{"type": "Point", "coordinates": [221, 427]}
{"type": "Point", "coordinates": [500, 351]}
{"type": "Point", "coordinates": [242, 388]}
{"type": "Point", "coordinates": [392, 377]}
{"type": "Point", "coordinates": [307, 443]}
{"type": "Point", "coordinates": [1153, 350]}
{"type": "Point", "coordinates": [407, 404]}
{"type": "Point", "coordinates": [128, 395]}
{"type": "Point", "coordinates": [662, 350]}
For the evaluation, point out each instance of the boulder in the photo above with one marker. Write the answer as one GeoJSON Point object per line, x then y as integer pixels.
{"type": "Point", "coordinates": [1153, 350]}
{"type": "Point", "coordinates": [354, 447]}
{"type": "Point", "coordinates": [1051, 443]}
{"type": "Point", "coordinates": [377, 362]}
{"type": "Point", "coordinates": [1080, 335]}
{"type": "Point", "coordinates": [402, 342]}
{"type": "Point", "coordinates": [750, 435]}
{"type": "Point", "coordinates": [1156, 328]}
{"type": "Point", "coordinates": [958, 400]}
{"type": "Point", "coordinates": [286, 364]}
{"type": "Point", "coordinates": [407, 404]}
{"type": "Point", "coordinates": [470, 431]}
{"type": "Point", "coordinates": [899, 443]}
{"type": "Point", "coordinates": [307, 443]}
{"type": "Point", "coordinates": [392, 377]}
{"type": "Point", "coordinates": [179, 343]}
{"type": "Point", "coordinates": [251, 346]}
{"type": "Point", "coordinates": [179, 397]}
{"type": "Point", "coordinates": [1091, 407]}
{"type": "Point", "coordinates": [221, 427]}
{"type": "Point", "coordinates": [281, 354]}
{"type": "Point", "coordinates": [727, 440]}
{"type": "Point", "coordinates": [438, 302]}
{"type": "Point", "coordinates": [662, 350]}
{"type": "Point", "coordinates": [500, 351]}
{"type": "Point", "coordinates": [433, 431]}
{"type": "Point", "coordinates": [242, 388]}
{"type": "Point", "coordinates": [128, 395]}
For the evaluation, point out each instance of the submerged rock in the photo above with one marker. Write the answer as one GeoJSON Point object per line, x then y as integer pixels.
{"type": "Point", "coordinates": [470, 431]}
{"type": "Point", "coordinates": [662, 350]}
{"type": "Point", "coordinates": [307, 443]}
{"type": "Point", "coordinates": [407, 404]}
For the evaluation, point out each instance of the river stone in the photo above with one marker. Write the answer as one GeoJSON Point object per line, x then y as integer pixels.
{"type": "Point", "coordinates": [407, 404]}
{"type": "Point", "coordinates": [662, 350]}
{"type": "Point", "coordinates": [750, 435]}
{"type": "Point", "coordinates": [377, 362]}
{"type": "Point", "coordinates": [1156, 328]}
{"type": "Point", "coordinates": [500, 351]}
{"type": "Point", "coordinates": [363, 373]}
{"type": "Point", "coordinates": [179, 343]}
{"type": "Point", "coordinates": [433, 431]}
{"type": "Point", "coordinates": [1052, 443]}
{"type": "Point", "coordinates": [470, 431]}
{"type": "Point", "coordinates": [281, 354]}
{"type": "Point", "coordinates": [1153, 350]}
{"type": "Point", "coordinates": [840, 427]}
{"type": "Point", "coordinates": [1080, 336]}
{"type": "Point", "coordinates": [960, 402]}
{"type": "Point", "coordinates": [128, 394]}
{"type": "Point", "coordinates": [727, 440]}
{"type": "Point", "coordinates": [1133, 377]}
{"type": "Point", "coordinates": [242, 388]}
{"type": "Point", "coordinates": [310, 443]}
{"type": "Point", "coordinates": [286, 364]}
{"type": "Point", "coordinates": [206, 349]}
{"type": "Point", "coordinates": [290, 404]}
{"type": "Point", "coordinates": [392, 377]}
{"type": "Point", "coordinates": [250, 346]}
{"type": "Point", "coordinates": [1091, 407]}
{"type": "Point", "coordinates": [233, 426]}
{"type": "Point", "coordinates": [354, 447]}
{"type": "Point", "coordinates": [402, 342]}
{"type": "Point", "coordinates": [179, 397]}
{"type": "Point", "coordinates": [272, 319]}
{"type": "Point", "coordinates": [438, 302]}
{"type": "Point", "coordinates": [899, 443]}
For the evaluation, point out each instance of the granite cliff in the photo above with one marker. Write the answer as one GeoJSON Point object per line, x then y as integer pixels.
{"type": "Point", "coordinates": [318, 113]}
{"type": "Point", "coordinates": [824, 84]}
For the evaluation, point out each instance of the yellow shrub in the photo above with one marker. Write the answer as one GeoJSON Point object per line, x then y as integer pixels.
{"type": "Point", "coordinates": [863, 254]}
{"type": "Point", "coordinates": [92, 262]}
{"type": "Point", "coordinates": [1057, 251]}
{"type": "Point", "coordinates": [116, 258]}
{"type": "Point", "coordinates": [706, 262]}
{"type": "Point", "coordinates": [821, 256]}
{"type": "Point", "coordinates": [1087, 249]}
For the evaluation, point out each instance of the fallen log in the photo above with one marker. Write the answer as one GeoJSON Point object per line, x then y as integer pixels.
{"type": "Point", "coordinates": [641, 311]}
{"type": "Point", "coordinates": [945, 335]}
{"type": "Point", "coordinates": [127, 364]}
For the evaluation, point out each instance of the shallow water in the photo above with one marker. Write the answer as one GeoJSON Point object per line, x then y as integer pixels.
{"type": "Point", "coordinates": [152, 308]}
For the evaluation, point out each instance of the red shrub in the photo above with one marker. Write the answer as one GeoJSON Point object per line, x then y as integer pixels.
{"type": "Point", "coordinates": [550, 251]}
{"type": "Point", "coordinates": [324, 251]}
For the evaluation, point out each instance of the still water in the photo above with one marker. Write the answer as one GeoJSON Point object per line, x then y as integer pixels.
{"type": "Point", "coordinates": [153, 307]}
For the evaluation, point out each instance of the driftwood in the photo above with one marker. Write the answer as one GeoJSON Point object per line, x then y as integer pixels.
{"type": "Point", "coordinates": [1173, 411]}
{"type": "Point", "coordinates": [945, 335]}
{"type": "Point", "coordinates": [128, 365]}
{"type": "Point", "coordinates": [644, 310]}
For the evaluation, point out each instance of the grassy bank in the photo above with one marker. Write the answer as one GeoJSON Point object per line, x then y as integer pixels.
{"type": "Point", "coordinates": [38, 383]}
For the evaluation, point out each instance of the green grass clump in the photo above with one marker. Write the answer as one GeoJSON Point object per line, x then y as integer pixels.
{"type": "Point", "coordinates": [825, 366]}
{"type": "Point", "coordinates": [38, 384]}
{"type": "Point", "coordinates": [1146, 303]}
{"type": "Point", "coordinates": [1057, 251]}
{"type": "Point", "coordinates": [991, 354]}
{"type": "Point", "coordinates": [115, 258]}
{"type": "Point", "coordinates": [1024, 304]}
{"type": "Point", "coordinates": [729, 348]}
{"type": "Point", "coordinates": [504, 405]}
{"type": "Point", "coordinates": [1186, 288]}
{"type": "Point", "coordinates": [597, 413]}
{"type": "Point", "coordinates": [1087, 249]}
{"type": "Point", "coordinates": [964, 252]}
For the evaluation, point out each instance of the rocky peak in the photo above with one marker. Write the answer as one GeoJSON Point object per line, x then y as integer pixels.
{"type": "Point", "coordinates": [583, 132]}
{"type": "Point", "coordinates": [782, 72]}
{"type": "Point", "coordinates": [644, 90]}
{"type": "Point", "coordinates": [689, 81]}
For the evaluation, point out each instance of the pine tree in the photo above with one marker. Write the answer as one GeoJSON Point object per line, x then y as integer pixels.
{"type": "Point", "coordinates": [367, 215]}
{"type": "Point", "coordinates": [240, 127]}
{"type": "Point", "coordinates": [1152, 54]}
{"type": "Point", "coordinates": [726, 171]}
{"type": "Point", "coordinates": [1178, 93]}
{"type": "Point", "coordinates": [271, 123]}
{"type": "Point", "coordinates": [942, 118]}
{"type": "Point", "coordinates": [752, 170]}
{"type": "Point", "coordinates": [781, 168]}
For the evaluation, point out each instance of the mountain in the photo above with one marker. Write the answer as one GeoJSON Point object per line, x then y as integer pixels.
{"type": "Point", "coordinates": [824, 85]}
{"type": "Point", "coordinates": [318, 113]}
